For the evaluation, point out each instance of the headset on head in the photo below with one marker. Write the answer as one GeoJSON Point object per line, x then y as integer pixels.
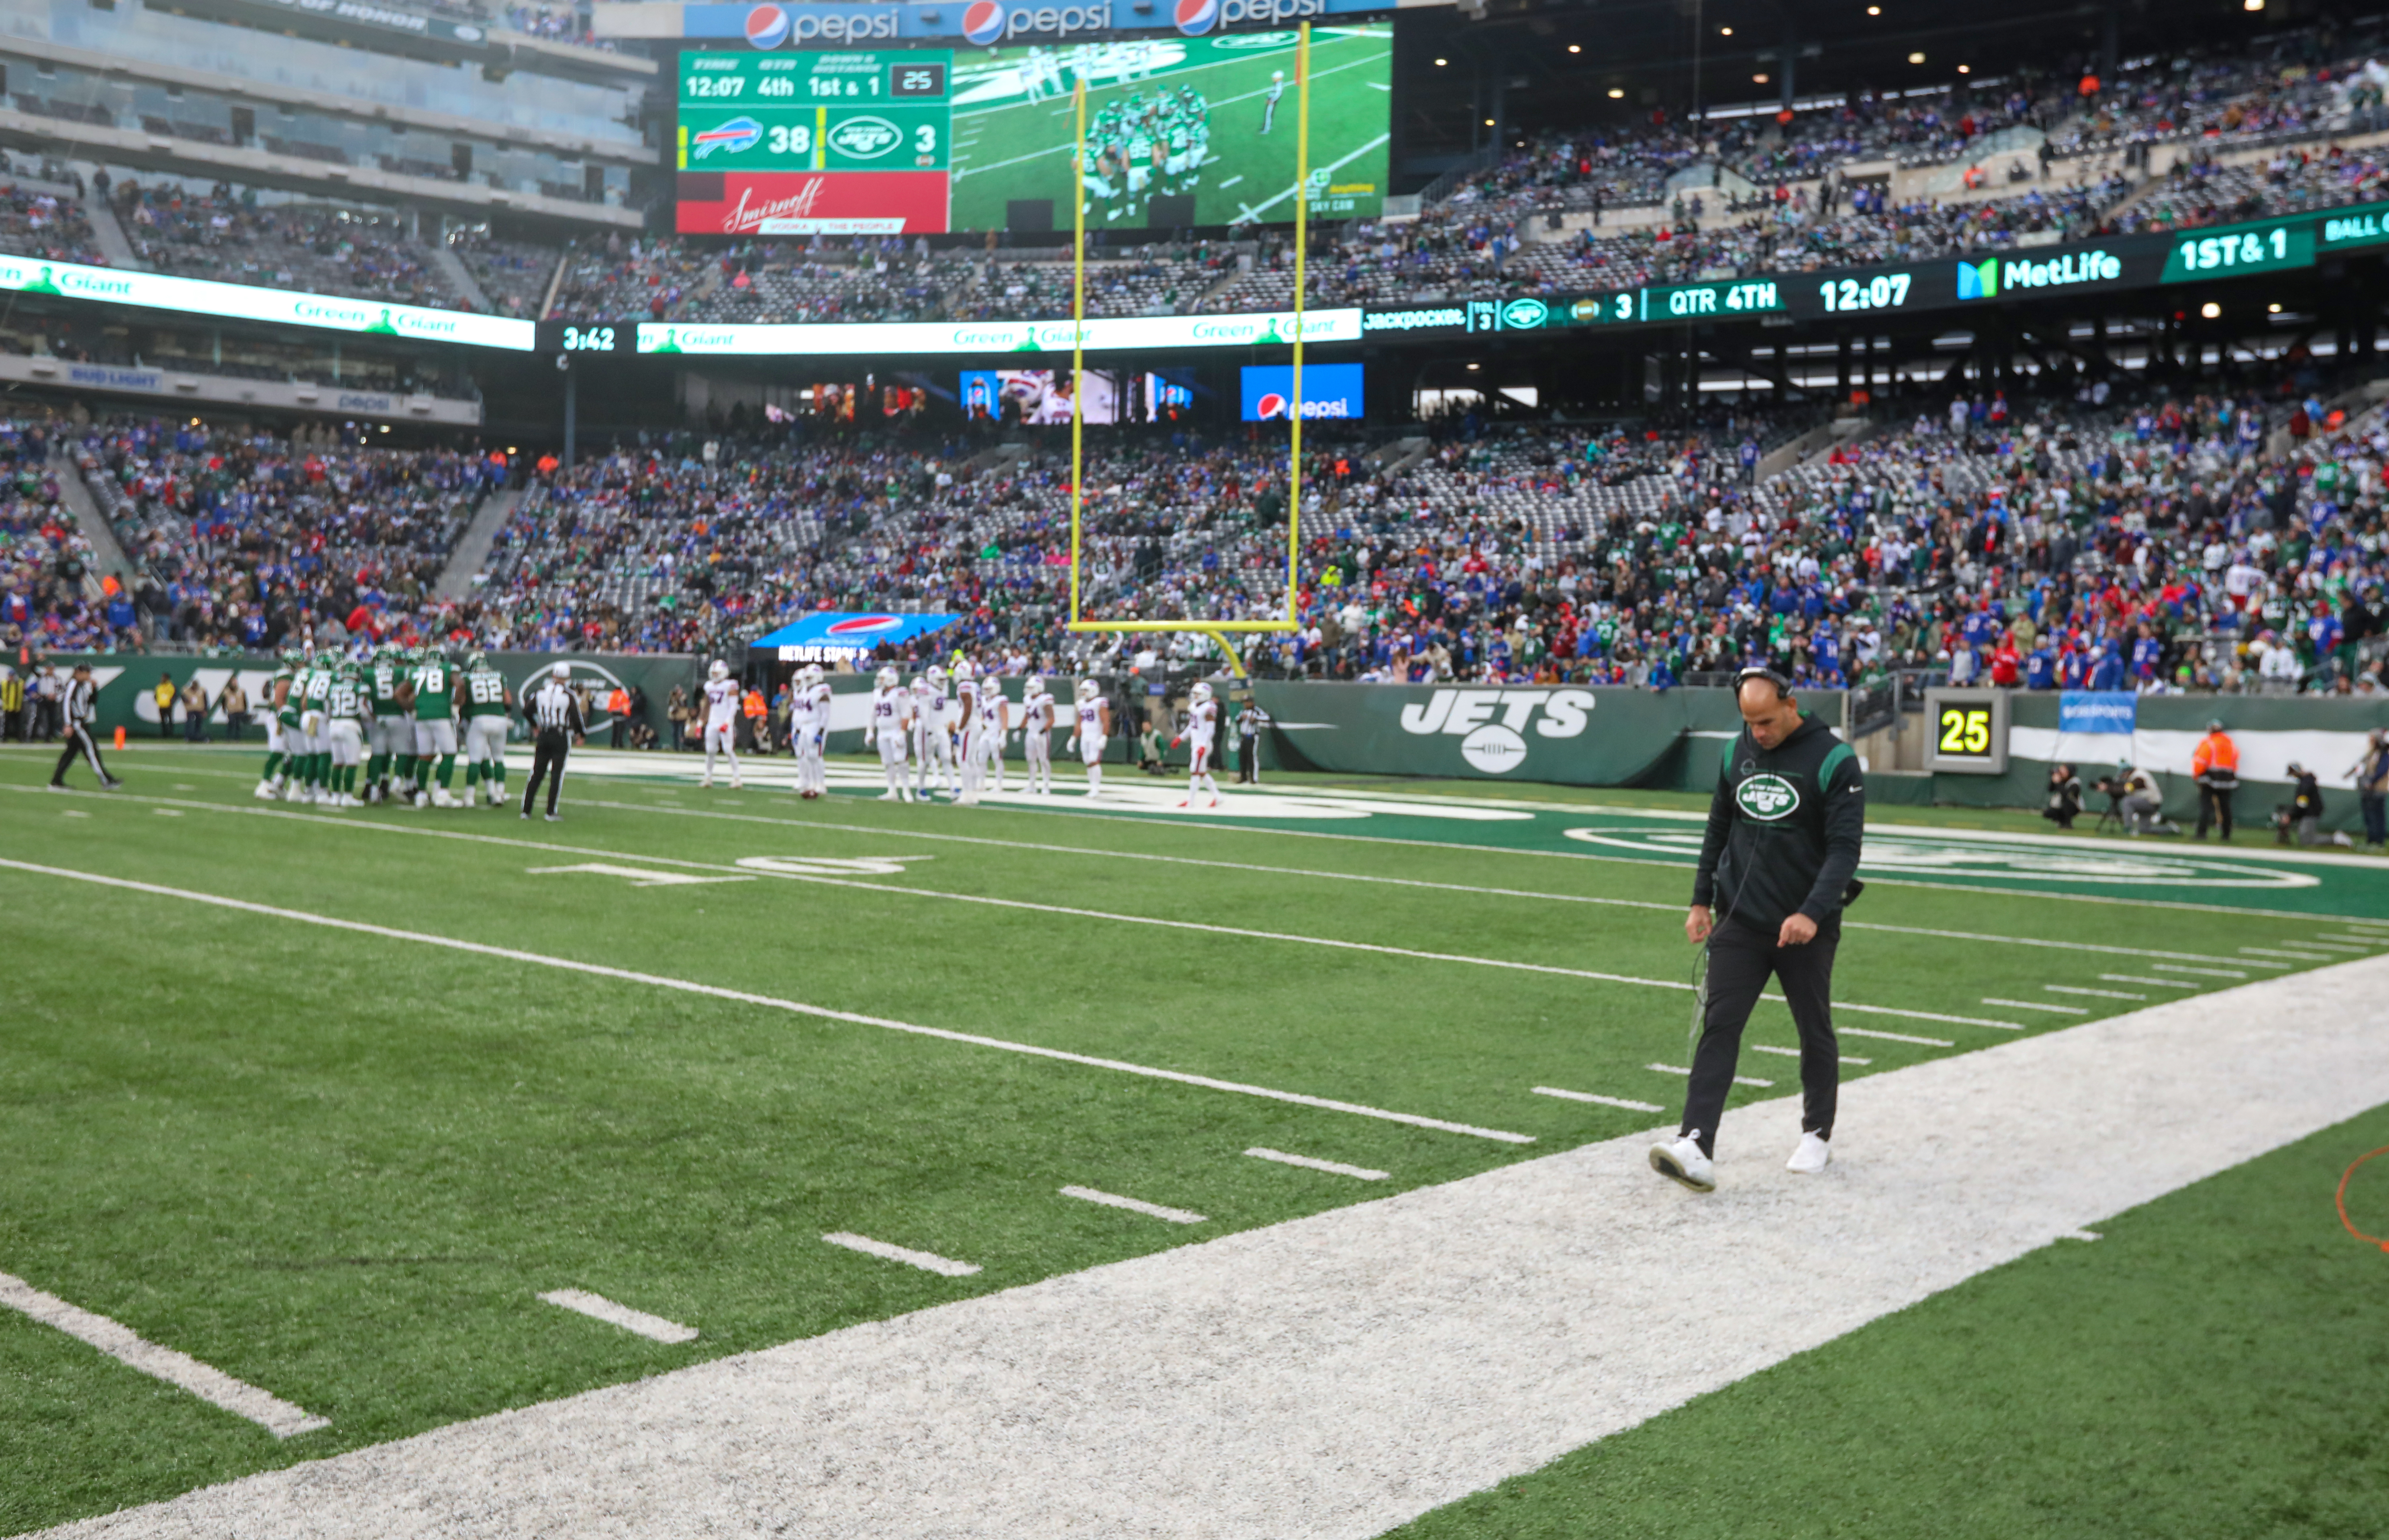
{"type": "Point", "coordinates": [1782, 685]}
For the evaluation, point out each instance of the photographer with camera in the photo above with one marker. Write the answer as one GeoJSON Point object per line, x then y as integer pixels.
{"type": "Point", "coordinates": [2142, 803]}
{"type": "Point", "coordinates": [2065, 803]}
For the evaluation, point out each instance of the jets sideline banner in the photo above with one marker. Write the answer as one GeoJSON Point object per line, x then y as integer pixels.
{"type": "Point", "coordinates": [1573, 735]}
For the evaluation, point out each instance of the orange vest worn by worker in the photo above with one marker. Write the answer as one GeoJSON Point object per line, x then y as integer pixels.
{"type": "Point", "coordinates": [2216, 752]}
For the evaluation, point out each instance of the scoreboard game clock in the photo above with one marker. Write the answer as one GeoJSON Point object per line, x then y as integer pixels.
{"type": "Point", "coordinates": [1968, 731]}
{"type": "Point", "coordinates": [856, 141]}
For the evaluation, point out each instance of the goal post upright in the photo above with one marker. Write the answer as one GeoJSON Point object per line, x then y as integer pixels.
{"type": "Point", "coordinates": [1219, 631]}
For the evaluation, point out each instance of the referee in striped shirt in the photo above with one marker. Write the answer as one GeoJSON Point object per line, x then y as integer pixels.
{"type": "Point", "coordinates": [78, 708]}
{"type": "Point", "coordinates": [555, 713]}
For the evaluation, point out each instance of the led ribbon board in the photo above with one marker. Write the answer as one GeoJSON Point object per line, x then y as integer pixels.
{"type": "Point", "coordinates": [981, 338]}
{"type": "Point", "coordinates": [244, 303]}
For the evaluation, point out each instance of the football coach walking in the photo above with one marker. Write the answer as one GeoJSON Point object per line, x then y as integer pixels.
{"type": "Point", "coordinates": [555, 713]}
{"type": "Point", "coordinates": [1777, 867]}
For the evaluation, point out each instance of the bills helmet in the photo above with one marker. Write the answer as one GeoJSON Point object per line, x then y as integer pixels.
{"type": "Point", "coordinates": [719, 671]}
{"type": "Point", "coordinates": [1202, 691]}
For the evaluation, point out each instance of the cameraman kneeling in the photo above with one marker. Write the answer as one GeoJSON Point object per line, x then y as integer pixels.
{"type": "Point", "coordinates": [2065, 797]}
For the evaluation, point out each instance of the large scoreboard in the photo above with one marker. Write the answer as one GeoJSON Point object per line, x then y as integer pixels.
{"type": "Point", "coordinates": [800, 144]}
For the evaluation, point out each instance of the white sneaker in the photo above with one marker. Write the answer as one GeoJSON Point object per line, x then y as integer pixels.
{"type": "Point", "coordinates": [1681, 1161]}
{"type": "Point", "coordinates": [1812, 1157]}
{"type": "Point", "coordinates": [706, 784]}
{"type": "Point", "coordinates": [265, 792]}
{"type": "Point", "coordinates": [440, 798]}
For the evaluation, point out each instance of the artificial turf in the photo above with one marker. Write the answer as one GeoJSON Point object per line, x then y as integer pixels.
{"type": "Point", "coordinates": [342, 1166]}
{"type": "Point", "coordinates": [2211, 1367]}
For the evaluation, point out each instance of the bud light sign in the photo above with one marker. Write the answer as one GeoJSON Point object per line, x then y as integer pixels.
{"type": "Point", "coordinates": [1330, 391]}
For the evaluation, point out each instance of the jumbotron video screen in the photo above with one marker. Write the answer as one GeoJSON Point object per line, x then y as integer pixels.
{"type": "Point", "coordinates": [1179, 131]}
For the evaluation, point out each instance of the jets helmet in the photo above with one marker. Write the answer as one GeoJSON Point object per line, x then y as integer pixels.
{"type": "Point", "coordinates": [888, 679]}
{"type": "Point", "coordinates": [477, 660]}
{"type": "Point", "coordinates": [1202, 691]}
{"type": "Point", "coordinates": [719, 671]}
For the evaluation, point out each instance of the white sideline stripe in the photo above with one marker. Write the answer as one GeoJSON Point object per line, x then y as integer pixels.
{"type": "Point", "coordinates": [179, 1369]}
{"type": "Point", "coordinates": [2338, 943]}
{"type": "Point", "coordinates": [1629, 1105]}
{"type": "Point", "coordinates": [2102, 993]}
{"type": "Point", "coordinates": [1312, 1367]}
{"type": "Point", "coordinates": [2212, 972]}
{"type": "Point", "coordinates": [744, 998]}
{"type": "Point", "coordinates": [2285, 952]}
{"type": "Point", "coordinates": [1893, 1036]}
{"type": "Point", "coordinates": [1738, 1080]}
{"type": "Point", "coordinates": [598, 1307]}
{"type": "Point", "coordinates": [2034, 1005]}
{"type": "Point", "coordinates": [2077, 1235]}
{"type": "Point", "coordinates": [2136, 979]}
{"type": "Point", "coordinates": [1136, 1205]}
{"type": "Point", "coordinates": [1794, 1053]}
{"type": "Point", "coordinates": [810, 825]}
{"type": "Point", "coordinates": [881, 887]}
{"type": "Point", "coordinates": [1310, 1163]}
{"type": "Point", "coordinates": [929, 1261]}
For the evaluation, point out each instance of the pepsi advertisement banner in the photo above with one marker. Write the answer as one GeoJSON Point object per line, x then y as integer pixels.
{"type": "Point", "coordinates": [983, 23]}
{"type": "Point", "coordinates": [1331, 392]}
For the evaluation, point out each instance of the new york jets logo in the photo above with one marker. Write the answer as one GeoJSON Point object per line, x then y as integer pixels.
{"type": "Point", "coordinates": [1767, 798]}
{"type": "Point", "coordinates": [865, 139]}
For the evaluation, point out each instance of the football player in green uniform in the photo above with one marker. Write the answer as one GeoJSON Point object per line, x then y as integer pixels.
{"type": "Point", "coordinates": [315, 718]}
{"type": "Point", "coordinates": [390, 733]}
{"type": "Point", "coordinates": [281, 719]}
{"type": "Point", "coordinates": [432, 695]}
{"type": "Point", "coordinates": [487, 702]}
{"type": "Point", "coordinates": [346, 730]}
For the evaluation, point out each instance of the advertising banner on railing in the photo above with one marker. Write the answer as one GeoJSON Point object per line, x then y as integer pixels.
{"type": "Point", "coordinates": [1269, 328]}
{"type": "Point", "coordinates": [245, 303]}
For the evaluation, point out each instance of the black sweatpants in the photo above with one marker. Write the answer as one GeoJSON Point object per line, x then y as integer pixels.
{"type": "Point", "coordinates": [547, 764]}
{"type": "Point", "coordinates": [1742, 958]}
{"type": "Point", "coordinates": [2213, 806]}
{"type": "Point", "coordinates": [80, 745]}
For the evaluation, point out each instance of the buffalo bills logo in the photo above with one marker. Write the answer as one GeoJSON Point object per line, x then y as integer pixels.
{"type": "Point", "coordinates": [1197, 16]}
{"type": "Point", "coordinates": [731, 138]}
{"type": "Point", "coordinates": [767, 26]}
{"type": "Point", "coordinates": [983, 21]}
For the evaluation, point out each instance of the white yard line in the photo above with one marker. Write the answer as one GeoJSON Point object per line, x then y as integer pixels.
{"type": "Point", "coordinates": [2136, 979]}
{"type": "Point", "coordinates": [1312, 1162]}
{"type": "Point", "coordinates": [2211, 972]}
{"type": "Point", "coordinates": [1626, 1103]}
{"type": "Point", "coordinates": [2285, 952]}
{"type": "Point", "coordinates": [2102, 993]}
{"type": "Point", "coordinates": [599, 1308]}
{"type": "Point", "coordinates": [1841, 1031]}
{"type": "Point", "coordinates": [2034, 1005]}
{"type": "Point", "coordinates": [1794, 1053]}
{"type": "Point", "coordinates": [1113, 917]}
{"type": "Point", "coordinates": [1312, 1369]}
{"type": "Point", "coordinates": [179, 1369]}
{"type": "Point", "coordinates": [1738, 1080]}
{"type": "Point", "coordinates": [1136, 1205]}
{"type": "Point", "coordinates": [771, 1002]}
{"type": "Point", "coordinates": [2077, 1235]}
{"type": "Point", "coordinates": [928, 1261]}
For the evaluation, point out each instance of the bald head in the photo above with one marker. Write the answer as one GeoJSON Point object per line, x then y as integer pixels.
{"type": "Point", "coordinates": [1771, 717]}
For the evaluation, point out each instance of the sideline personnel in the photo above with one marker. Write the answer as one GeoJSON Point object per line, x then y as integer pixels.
{"type": "Point", "coordinates": [555, 713]}
{"type": "Point", "coordinates": [79, 706]}
{"type": "Point", "coordinates": [2214, 765]}
{"type": "Point", "coordinates": [1781, 852]}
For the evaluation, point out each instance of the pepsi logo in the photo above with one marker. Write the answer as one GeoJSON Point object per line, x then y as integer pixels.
{"type": "Point", "coordinates": [863, 625]}
{"type": "Point", "coordinates": [983, 21]}
{"type": "Point", "coordinates": [767, 26]}
{"type": "Point", "coordinates": [1194, 18]}
{"type": "Point", "coordinates": [1270, 404]}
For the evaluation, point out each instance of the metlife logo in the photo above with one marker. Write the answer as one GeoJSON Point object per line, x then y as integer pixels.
{"type": "Point", "coordinates": [1987, 279]}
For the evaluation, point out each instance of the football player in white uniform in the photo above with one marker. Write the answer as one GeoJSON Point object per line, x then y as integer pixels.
{"type": "Point", "coordinates": [809, 724]}
{"type": "Point", "coordinates": [720, 693]}
{"type": "Point", "coordinates": [994, 721]}
{"type": "Point", "coordinates": [1092, 723]}
{"type": "Point", "coordinates": [930, 744]}
{"type": "Point", "coordinates": [1202, 726]}
{"type": "Point", "coordinates": [966, 688]}
{"type": "Point", "coordinates": [891, 710]}
{"type": "Point", "coordinates": [1037, 735]}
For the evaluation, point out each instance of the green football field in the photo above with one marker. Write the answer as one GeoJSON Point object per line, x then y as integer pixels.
{"type": "Point", "coordinates": [327, 1101]}
{"type": "Point", "coordinates": [1012, 147]}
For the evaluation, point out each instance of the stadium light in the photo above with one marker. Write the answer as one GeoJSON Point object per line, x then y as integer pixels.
{"type": "Point", "coordinates": [1725, 31]}
{"type": "Point", "coordinates": [1616, 94]}
{"type": "Point", "coordinates": [1488, 122]}
{"type": "Point", "coordinates": [2212, 311]}
{"type": "Point", "coordinates": [2273, 310]}
{"type": "Point", "coordinates": [1874, 10]}
{"type": "Point", "coordinates": [1758, 80]}
{"type": "Point", "coordinates": [1441, 62]}
{"type": "Point", "coordinates": [2252, 5]}
{"type": "Point", "coordinates": [1576, 48]}
{"type": "Point", "coordinates": [1916, 59]}
{"type": "Point", "coordinates": [1965, 69]}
